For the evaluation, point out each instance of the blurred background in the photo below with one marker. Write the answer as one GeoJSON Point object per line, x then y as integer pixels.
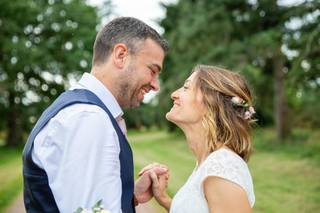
{"type": "Point", "coordinates": [46, 45]}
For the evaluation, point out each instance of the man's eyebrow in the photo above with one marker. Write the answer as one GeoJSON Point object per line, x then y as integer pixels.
{"type": "Point", "coordinates": [187, 81]}
{"type": "Point", "coordinates": [158, 67]}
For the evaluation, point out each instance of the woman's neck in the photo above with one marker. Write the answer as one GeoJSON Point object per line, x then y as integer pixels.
{"type": "Point", "coordinates": [196, 139]}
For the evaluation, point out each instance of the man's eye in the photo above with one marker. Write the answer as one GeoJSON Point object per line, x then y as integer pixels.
{"type": "Point", "coordinates": [185, 87]}
{"type": "Point", "coordinates": [152, 71]}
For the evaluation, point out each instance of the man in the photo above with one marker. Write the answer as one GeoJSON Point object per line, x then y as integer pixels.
{"type": "Point", "coordinates": [78, 153]}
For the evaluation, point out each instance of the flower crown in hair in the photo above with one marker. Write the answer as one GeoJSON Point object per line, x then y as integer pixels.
{"type": "Point", "coordinates": [239, 102]}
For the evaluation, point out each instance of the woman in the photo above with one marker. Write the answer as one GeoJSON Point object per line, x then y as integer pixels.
{"type": "Point", "coordinates": [214, 110]}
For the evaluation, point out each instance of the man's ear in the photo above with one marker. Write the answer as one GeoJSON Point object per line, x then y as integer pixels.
{"type": "Point", "coordinates": [120, 54]}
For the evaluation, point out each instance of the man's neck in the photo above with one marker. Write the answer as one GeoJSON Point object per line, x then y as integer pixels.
{"type": "Point", "coordinates": [107, 78]}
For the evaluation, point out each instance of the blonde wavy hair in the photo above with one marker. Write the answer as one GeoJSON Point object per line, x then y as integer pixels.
{"type": "Point", "coordinates": [224, 122]}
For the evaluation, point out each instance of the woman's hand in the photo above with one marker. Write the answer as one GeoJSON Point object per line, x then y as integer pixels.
{"type": "Point", "coordinates": [159, 186]}
{"type": "Point", "coordinates": [143, 186]}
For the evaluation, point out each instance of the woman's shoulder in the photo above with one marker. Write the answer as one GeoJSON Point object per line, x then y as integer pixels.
{"type": "Point", "coordinates": [226, 164]}
{"type": "Point", "coordinates": [225, 155]}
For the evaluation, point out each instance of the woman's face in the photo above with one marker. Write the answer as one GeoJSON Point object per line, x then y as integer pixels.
{"type": "Point", "coordinates": [188, 107]}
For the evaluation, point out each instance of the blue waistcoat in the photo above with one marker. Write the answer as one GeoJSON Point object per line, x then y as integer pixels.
{"type": "Point", "coordinates": [38, 197]}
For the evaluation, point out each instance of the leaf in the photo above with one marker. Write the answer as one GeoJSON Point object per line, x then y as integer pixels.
{"type": "Point", "coordinates": [98, 204]}
{"type": "Point", "coordinates": [79, 210]}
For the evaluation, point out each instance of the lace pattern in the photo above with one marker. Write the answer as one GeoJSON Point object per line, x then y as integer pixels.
{"type": "Point", "coordinates": [228, 165]}
{"type": "Point", "coordinates": [221, 163]}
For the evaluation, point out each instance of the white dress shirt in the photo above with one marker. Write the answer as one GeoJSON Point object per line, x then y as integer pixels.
{"type": "Point", "coordinates": [79, 150]}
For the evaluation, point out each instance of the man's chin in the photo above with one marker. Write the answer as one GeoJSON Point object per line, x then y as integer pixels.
{"type": "Point", "coordinates": [135, 104]}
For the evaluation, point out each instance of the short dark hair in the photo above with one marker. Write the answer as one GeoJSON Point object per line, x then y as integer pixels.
{"type": "Point", "coordinates": [127, 30]}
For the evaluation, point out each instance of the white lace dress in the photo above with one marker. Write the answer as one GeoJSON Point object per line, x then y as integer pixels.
{"type": "Point", "coordinates": [221, 163]}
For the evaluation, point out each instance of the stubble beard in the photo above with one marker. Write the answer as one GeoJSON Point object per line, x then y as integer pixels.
{"type": "Point", "coordinates": [127, 91]}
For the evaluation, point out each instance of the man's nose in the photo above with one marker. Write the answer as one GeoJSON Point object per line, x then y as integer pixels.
{"type": "Point", "coordinates": [155, 84]}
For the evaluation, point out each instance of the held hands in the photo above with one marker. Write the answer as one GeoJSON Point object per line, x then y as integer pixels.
{"type": "Point", "coordinates": [153, 181]}
{"type": "Point", "coordinates": [159, 186]}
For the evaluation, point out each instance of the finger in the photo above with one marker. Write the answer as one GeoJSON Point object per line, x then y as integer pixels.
{"type": "Point", "coordinates": [162, 166]}
{"type": "Point", "coordinates": [160, 170]}
{"type": "Point", "coordinates": [148, 167]}
{"type": "Point", "coordinates": [154, 178]}
{"type": "Point", "coordinates": [167, 182]}
{"type": "Point", "coordinates": [162, 178]}
{"type": "Point", "coordinates": [163, 181]}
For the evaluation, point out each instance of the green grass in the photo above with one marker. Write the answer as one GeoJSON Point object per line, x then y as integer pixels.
{"type": "Point", "coordinates": [286, 176]}
{"type": "Point", "coordinates": [10, 175]}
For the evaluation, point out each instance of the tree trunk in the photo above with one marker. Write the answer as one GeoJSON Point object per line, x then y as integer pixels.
{"type": "Point", "coordinates": [280, 99]}
{"type": "Point", "coordinates": [14, 128]}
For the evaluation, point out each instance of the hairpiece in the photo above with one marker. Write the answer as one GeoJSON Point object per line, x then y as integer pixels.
{"type": "Point", "coordinates": [239, 102]}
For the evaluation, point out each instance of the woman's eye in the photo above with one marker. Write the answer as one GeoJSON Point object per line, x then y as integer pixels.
{"type": "Point", "coordinates": [185, 87]}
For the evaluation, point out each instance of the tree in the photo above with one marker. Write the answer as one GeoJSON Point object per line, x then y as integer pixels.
{"type": "Point", "coordinates": [43, 45]}
{"type": "Point", "coordinates": [303, 40]}
{"type": "Point", "coordinates": [252, 36]}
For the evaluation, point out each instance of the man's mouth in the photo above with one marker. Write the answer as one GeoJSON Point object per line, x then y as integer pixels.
{"type": "Point", "coordinates": [146, 89]}
{"type": "Point", "coordinates": [143, 91]}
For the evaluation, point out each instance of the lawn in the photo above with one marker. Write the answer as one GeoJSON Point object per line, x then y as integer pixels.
{"type": "Point", "coordinates": [286, 176]}
{"type": "Point", "coordinates": [10, 175]}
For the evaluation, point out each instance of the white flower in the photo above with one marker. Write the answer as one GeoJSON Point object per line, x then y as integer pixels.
{"type": "Point", "coordinates": [251, 109]}
{"type": "Point", "coordinates": [105, 211]}
{"type": "Point", "coordinates": [236, 100]}
{"type": "Point", "coordinates": [97, 208]}
{"type": "Point", "coordinates": [248, 114]}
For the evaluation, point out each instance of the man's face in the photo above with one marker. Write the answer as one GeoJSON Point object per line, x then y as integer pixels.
{"type": "Point", "coordinates": [141, 74]}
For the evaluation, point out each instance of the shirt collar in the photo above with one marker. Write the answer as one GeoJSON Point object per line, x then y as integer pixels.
{"type": "Point", "coordinates": [91, 83]}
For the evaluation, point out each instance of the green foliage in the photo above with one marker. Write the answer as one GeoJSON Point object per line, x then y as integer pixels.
{"type": "Point", "coordinates": [251, 37]}
{"type": "Point", "coordinates": [146, 116]}
{"type": "Point", "coordinates": [97, 208]}
{"type": "Point", "coordinates": [43, 44]}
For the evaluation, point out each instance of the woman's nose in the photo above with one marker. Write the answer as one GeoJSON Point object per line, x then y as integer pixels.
{"type": "Point", "coordinates": [174, 95]}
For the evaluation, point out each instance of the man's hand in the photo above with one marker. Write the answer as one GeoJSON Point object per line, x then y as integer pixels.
{"type": "Point", "coordinates": [143, 186]}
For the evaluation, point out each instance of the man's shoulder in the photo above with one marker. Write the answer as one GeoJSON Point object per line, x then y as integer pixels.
{"type": "Point", "coordinates": [82, 110]}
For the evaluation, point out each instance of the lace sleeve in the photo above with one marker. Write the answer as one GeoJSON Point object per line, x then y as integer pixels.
{"type": "Point", "coordinates": [227, 165]}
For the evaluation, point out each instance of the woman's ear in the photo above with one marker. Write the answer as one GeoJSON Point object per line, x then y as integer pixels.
{"type": "Point", "coordinates": [119, 55]}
